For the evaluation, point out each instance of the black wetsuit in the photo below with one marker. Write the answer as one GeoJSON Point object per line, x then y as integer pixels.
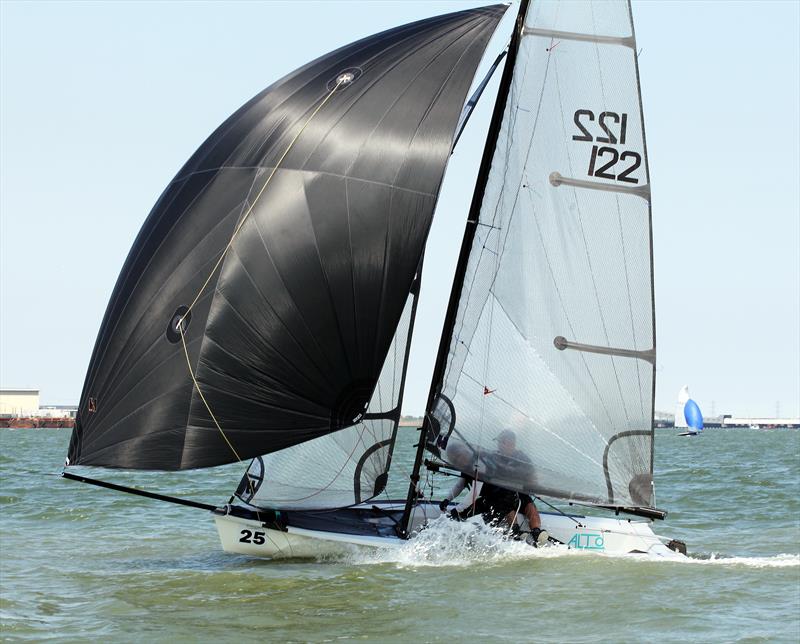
{"type": "Point", "coordinates": [495, 502]}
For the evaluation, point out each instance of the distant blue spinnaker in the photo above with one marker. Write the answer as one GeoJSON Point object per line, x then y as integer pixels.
{"type": "Point", "coordinates": [693, 415]}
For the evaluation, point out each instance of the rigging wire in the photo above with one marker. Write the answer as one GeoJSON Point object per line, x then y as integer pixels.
{"type": "Point", "coordinates": [559, 510]}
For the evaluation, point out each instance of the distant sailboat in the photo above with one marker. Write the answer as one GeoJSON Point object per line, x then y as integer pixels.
{"type": "Point", "coordinates": [687, 414]}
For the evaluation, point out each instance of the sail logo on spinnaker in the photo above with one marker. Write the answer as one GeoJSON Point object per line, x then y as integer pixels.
{"type": "Point", "coordinates": [587, 541]}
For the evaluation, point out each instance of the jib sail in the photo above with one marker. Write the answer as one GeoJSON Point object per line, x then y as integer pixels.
{"type": "Point", "coordinates": [346, 467]}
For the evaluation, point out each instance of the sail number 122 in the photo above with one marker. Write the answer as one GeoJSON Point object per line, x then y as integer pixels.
{"type": "Point", "coordinates": [604, 159]}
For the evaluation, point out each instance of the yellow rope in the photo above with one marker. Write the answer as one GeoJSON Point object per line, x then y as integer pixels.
{"type": "Point", "coordinates": [339, 82]}
{"type": "Point", "coordinates": [255, 201]}
{"type": "Point", "coordinates": [202, 397]}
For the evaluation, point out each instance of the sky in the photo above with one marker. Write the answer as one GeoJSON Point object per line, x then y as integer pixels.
{"type": "Point", "coordinates": [101, 103]}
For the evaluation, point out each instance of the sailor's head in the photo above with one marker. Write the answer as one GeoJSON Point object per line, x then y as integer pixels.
{"type": "Point", "coordinates": [506, 442]}
{"type": "Point", "coordinates": [458, 455]}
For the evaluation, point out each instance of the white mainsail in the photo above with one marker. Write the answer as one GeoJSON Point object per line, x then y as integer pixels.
{"type": "Point", "coordinates": [683, 398]}
{"type": "Point", "coordinates": [554, 333]}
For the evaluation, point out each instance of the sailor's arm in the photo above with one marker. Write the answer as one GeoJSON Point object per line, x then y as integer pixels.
{"type": "Point", "coordinates": [458, 488]}
{"type": "Point", "coordinates": [470, 498]}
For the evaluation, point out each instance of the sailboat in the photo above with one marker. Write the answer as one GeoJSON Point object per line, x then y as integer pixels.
{"type": "Point", "coordinates": [687, 414]}
{"type": "Point", "coordinates": [266, 309]}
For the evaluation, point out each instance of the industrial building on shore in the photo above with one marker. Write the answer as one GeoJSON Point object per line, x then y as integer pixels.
{"type": "Point", "coordinates": [665, 420]}
{"type": "Point", "coordinates": [22, 408]}
{"type": "Point", "coordinates": [17, 403]}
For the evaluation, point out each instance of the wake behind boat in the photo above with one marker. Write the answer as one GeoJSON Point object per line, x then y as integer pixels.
{"type": "Point", "coordinates": [267, 307]}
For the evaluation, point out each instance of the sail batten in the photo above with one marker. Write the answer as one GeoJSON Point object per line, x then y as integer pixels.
{"type": "Point", "coordinates": [626, 41]}
{"type": "Point", "coordinates": [282, 255]}
{"type": "Point", "coordinates": [552, 318]}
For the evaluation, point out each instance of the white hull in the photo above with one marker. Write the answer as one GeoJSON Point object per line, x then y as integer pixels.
{"type": "Point", "coordinates": [594, 534]}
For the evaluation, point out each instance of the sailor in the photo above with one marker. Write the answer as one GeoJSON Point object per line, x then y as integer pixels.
{"type": "Point", "coordinates": [461, 458]}
{"type": "Point", "coordinates": [498, 505]}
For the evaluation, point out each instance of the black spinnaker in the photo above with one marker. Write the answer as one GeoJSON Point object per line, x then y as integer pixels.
{"type": "Point", "coordinates": [322, 189]}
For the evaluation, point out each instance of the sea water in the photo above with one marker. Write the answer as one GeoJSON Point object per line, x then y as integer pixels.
{"type": "Point", "coordinates": [82, 563]}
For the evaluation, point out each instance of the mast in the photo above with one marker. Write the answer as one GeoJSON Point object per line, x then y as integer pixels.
{"type": "Point", "coordinates": [463, 257]}
{"type": "Point", "coordinates": [650, 221]}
